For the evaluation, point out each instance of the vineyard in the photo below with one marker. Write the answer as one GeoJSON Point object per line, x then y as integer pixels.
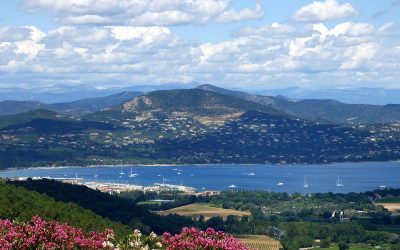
{"type": "Point", "coordinates": [260, 242]}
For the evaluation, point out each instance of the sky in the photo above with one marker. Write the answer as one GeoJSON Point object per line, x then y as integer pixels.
{"type": "Point", "coordinates": [247, 44]}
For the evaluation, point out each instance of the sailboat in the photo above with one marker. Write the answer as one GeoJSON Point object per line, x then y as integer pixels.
{"type": "Point", "coordinates": [305, 182]}
{"type": "Point", "coordinates": [339, 183]}
{"type": "Point", "coordinates": [121, 172]}
{"type": "Point", "coordinates": [131, 175]}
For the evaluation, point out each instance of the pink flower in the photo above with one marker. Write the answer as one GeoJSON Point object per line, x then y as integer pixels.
{"type": "Point", "coordinates": [192, 239]}
{"type": "Point", "coordinates": [41, 234]}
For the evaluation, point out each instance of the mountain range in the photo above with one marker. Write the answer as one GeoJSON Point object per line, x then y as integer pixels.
{"type": "Point", "coordinates": [324, 110]}
{"type": "Point", "coordinates": [375, 96]}
{"type": "Point", "coordinates": [63, 93]}
{"type": "Point", "coordinates": [312, 109]}
{"type": "Point", "coordinates": [74, 108]}
{"type": "Point", "coordinates": [206, 124]}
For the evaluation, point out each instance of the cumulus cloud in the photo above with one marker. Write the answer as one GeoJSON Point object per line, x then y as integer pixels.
{"type": "Point", "coordinates": [245, 14]}
{"type": "Point", "coordinates": [141, 12]}
{"type": "Point", "coordinates": [278, 53]}
{"type": "Point", "coordinates": [330, 10]}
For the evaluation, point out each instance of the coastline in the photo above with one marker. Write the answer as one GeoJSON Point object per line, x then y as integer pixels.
{"type": "Point", "coordinates": [199, 165]}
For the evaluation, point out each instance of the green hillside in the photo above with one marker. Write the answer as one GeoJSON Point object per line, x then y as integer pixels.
{"type": "Point", "coordinates": [109, 206]}
{"type": "Point", "coordinates": [25, 117]}
{"type": "Point", "coordinates": [328, 110]}
{"type": "Point", "coordinates": [195, 101]}
{"type": "Point", "coordinates": [17, 203]}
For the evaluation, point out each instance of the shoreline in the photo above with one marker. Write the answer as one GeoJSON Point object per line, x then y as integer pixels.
{"type": "Point", "coordinates": [198, 165]}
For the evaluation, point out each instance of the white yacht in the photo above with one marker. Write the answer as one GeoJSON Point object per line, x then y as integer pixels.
{"type": "Point", "coordinates": [339, 183]}
{"type": "Point", "coordinates": [305, 185]}
{"type": "Point", "coordinates": [131, 175]}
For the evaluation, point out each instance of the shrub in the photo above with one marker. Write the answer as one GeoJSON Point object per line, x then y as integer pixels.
{"type": "Point", "coordinates": [210, 239]}
{"type": "Point", "coordinates": [40, 234]}
{"type": "Point", "coordinates": [51, 235]}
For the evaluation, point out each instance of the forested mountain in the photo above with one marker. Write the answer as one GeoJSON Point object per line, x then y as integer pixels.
{"type": "Point", "coordinates": [328, 110]}
{"type": "Point", "coordinates": [190, 126]}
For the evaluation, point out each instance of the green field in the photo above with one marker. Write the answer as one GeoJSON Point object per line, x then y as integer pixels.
{"type": "Point", "coordinates": [260, 242]}
{"type": "Point", "coordinates": [203, 209]}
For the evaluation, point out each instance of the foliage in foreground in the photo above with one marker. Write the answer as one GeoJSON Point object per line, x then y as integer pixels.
{"type": "Point", "coordinates": [20, 204]}
{"type": "Point", "coordinates": [40, 234]}
{"type": "Point", "coordinates": [51, 235]}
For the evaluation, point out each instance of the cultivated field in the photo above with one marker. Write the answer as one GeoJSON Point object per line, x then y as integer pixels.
{"type": "Point", "coordinates": [390, 206]}
{"type": "Point", "coordinates": [259, 242]}
{"type": "Point", "coordinates": [204, 209]}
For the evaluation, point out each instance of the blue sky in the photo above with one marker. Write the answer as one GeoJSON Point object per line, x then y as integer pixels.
{"type": "Point", "coordinates": [232, 43]}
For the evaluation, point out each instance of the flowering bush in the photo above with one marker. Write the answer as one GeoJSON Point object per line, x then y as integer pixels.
{"type": "Point", "coordinates": [136, 241]}
{"type": "Point", "coordinates": [43, 235]}
{"type": "Point", "coordinates": [192, 239]}
{"type": "Point", "coordinates": [40, 234]}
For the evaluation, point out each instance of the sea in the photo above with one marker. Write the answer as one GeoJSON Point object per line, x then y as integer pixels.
{"type": "Point", "coordinates": [334, 177]}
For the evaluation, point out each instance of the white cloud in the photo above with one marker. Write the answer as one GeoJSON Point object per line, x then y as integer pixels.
{"type": "Point", "coordinates": [141, 12]}
{"type": "Point", "coordinates": [272, 53]}
{"type": "Point", "coordinates": [146, 34]}
{"type": "Point", "coordinates": [330, 10]}
{"type": "Point", "coordinates": [276, 30]}
{"type": "Point", "coordinates": [244, 14]}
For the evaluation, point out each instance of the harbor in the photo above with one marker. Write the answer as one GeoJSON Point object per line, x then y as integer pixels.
{"type": "Point", "coordinates": [335, 177]}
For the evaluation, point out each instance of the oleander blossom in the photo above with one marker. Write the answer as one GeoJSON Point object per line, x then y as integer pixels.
{"type": "Point", "coordinates": [51, 235]}
{"type": "Point", "coordinates": [192, 239]}
{"type": "Point", "coordinates": [41, 234]}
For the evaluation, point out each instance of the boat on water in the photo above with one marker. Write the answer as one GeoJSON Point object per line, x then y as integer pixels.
{"type": "Point", "coordinates": [131, 175]}
{"type": "Point", "coordinates": [305, 185]}
{"type": "Point", "coordinates": [280, 183]}
{"type": "Point", "coordinates": [121, 172]}
{"type": "Point", "coordinates": [339, 183]}
{"type": "Point", "coordinates": [251, 174]}
{"type": "Point", "coordinates": [232, 186]}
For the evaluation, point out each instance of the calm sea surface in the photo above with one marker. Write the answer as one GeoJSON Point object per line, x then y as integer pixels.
{"type": "Point", "coordinates": [355, 177]}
